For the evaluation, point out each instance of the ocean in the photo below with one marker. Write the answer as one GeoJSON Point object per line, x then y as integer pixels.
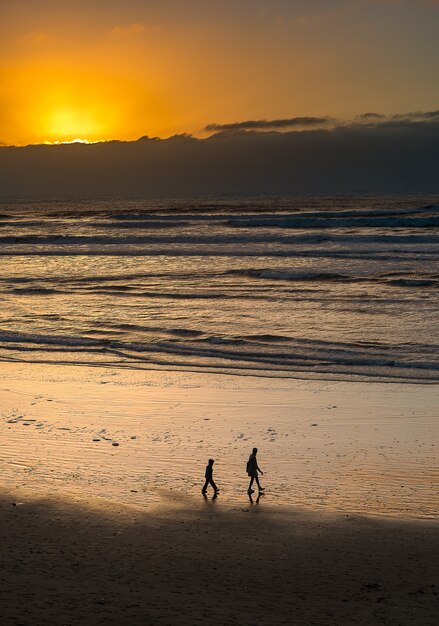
{"type": "Point", "coordinates": [333, 288]}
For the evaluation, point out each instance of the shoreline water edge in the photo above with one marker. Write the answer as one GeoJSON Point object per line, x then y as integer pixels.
{"type": "Point", "coordinates": [340, 287]}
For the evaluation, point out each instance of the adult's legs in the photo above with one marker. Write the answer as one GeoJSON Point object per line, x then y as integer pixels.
{"type": "Point", "coordinates": [259, 484]}
{"type": "Point", "coordinates": [251, 483]}
{"type": "Point", "coordinates": [209, 481]}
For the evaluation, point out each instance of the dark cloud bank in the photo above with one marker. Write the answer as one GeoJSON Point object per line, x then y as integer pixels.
{"type": "Point", "coordinates": [291, 122]}
{"type": "Point", "coordinates": [397, 153]}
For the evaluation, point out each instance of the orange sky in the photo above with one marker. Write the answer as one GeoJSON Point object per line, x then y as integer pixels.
{"type": "Point", "coordinates": [125, 69]}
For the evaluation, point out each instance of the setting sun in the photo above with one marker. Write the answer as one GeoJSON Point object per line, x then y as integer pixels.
{"type": "Point", "coordinates": [68, 124]}
{"type": "Point", "coordinates": [72, 105]}
{"type": "Point", "coordinates": [78, 140]}
{"type": "Point", "coordinates": [146, 71]}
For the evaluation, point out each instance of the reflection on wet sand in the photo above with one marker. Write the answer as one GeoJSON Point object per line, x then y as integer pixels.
{"type": "Point", "coordinates": [370, 449]}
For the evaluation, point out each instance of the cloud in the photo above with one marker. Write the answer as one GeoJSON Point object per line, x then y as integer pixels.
{"type": "Point", "coordinates": [370, 116]}
{"type": "Point", "coordinates": [413, 117]}
{"type": "Point", "coordinates": [416, 116]}
{"type": "Point", "coordinates": [129, 30]}
{"type": "Point", "coordinates": [372, 153]}
{"type": "Point", "coordinates": [292, 123]}
{"type": "Point", "coordinates": [257, 125]}
{"type": "Point", "coordinates": [35, 37]}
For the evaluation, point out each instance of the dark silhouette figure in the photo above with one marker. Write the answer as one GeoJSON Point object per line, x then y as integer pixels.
{"type": "Point", "coordinates": [209, 478]}
{"type": "Point", "coordinates": [257, 499]}
{"type": "Point", "coordinates": [252, 470]}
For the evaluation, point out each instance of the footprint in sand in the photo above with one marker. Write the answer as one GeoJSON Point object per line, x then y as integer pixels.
{"type": "Point", "coordinates": [242, 437]}
{"type": "Point", "coordinates": [272, 433]}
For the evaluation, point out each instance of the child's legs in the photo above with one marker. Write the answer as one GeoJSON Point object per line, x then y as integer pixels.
{"type": "Point", "coordinates": [205, 485]}
{"type": "Point", "coordinates": [213, 485]}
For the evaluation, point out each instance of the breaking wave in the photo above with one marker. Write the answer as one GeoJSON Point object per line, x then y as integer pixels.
{"type": "Point", "coordinates": [342, 287]}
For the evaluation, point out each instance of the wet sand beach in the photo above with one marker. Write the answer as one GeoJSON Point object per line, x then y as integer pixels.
{"type": "Point", "coordinates": [127, 435]}
{"type": "Point", "coordinates": [97, 533]}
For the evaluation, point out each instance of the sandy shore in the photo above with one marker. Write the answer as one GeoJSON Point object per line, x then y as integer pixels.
{"type": "Point", "coordinates": [348, 447]}
{"type": "Point", "coordinates": [97, 533]}
{"type": "Point", "coordinates": [76, 560]}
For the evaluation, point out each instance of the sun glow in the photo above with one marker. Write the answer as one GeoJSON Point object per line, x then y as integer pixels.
{"type": "Point", "coordinates": [69, 124]}
{"type": "Point", "coordinates": [61, 143]}
{"type": "Point", "coordinates": [53, 106]}
{"type": "Point", "coordinates": [75, 118]}
{"type": "Point", "coordinates": [78, 106]}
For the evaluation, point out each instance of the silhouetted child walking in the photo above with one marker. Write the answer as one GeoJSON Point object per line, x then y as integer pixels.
{"type": "Point", "coordinates": [209, 478]}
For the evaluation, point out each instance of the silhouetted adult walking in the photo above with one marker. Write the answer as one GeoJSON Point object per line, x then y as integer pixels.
{"type": "Point", "coordinates": [209, 478]}
{"type": "Point", "coordinates": [252, 470]}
